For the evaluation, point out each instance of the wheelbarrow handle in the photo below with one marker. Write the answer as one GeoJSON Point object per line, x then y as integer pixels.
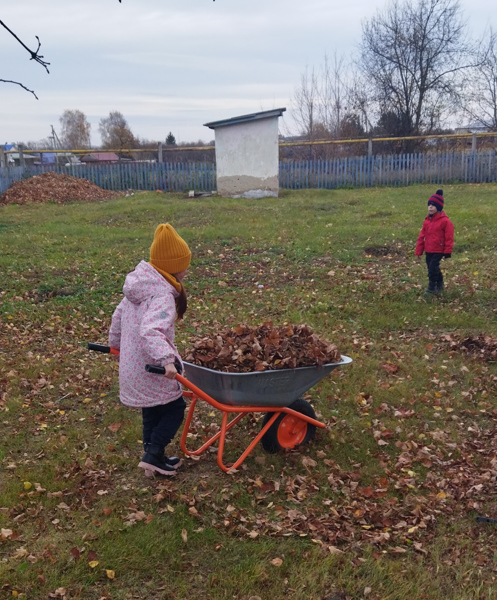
{"type": "Point", "coordinates": [102, 348]}
{"type": "Point", "coordinates": [161, 370]}
{"type": "Point", "coordinates": [154, 369]}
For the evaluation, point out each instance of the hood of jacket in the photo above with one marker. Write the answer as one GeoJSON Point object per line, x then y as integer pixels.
{"type": "Point", "coordinates": [144, 283]}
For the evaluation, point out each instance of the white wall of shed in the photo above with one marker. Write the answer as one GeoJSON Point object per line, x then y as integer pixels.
{"type": "Point", "coordinates": [248, 150]}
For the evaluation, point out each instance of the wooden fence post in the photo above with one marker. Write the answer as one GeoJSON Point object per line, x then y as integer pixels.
{"type": "Point", "coordinates": [160, 152]}
{"type": "Point", "coordinates": [3, 158]}
{"type": "Point", "coordinates": [22, 162]}
{"type": "Point", "coordinates": [370, 147]}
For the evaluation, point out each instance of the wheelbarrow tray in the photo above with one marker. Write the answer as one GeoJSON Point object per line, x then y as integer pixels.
{"type": "Point", "coordinates": [259, 388]}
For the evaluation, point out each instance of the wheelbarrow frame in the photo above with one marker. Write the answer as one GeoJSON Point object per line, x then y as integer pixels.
{"type": "Point", "coordinates": [195, 393]}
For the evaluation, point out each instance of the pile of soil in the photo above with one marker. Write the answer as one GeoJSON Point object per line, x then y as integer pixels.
{"type": "Point", "coordinates": [54, 187]}
{"type": "Point", "coordinates": [481, 346]}
{"type": "Point", "coordinates": [244, 349]}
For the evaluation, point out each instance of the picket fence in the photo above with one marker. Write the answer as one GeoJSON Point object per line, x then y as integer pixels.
{"type": "Point", "coordinates": [361, 171]}
{"type": "Point", "coordinates": [394, 170]}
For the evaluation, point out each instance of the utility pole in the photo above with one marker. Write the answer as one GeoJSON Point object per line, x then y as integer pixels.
{"type": "Point", "coordinates": [56, 144]}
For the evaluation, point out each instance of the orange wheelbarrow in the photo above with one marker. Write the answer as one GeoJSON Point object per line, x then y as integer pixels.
{"type": "Point", "coordinates": [289, 420]}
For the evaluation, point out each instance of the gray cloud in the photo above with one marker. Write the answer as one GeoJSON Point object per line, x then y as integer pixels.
{"type": "Point", "coordinates": [171, 65]}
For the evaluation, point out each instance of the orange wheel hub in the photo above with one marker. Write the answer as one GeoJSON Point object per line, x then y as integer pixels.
{"type": "Point", "coordinates": [291, 431]}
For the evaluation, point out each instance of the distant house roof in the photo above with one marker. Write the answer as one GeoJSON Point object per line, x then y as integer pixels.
{"type": "Point", "coordinates": [277, 112]}
{"type": "Point", "coordinates": [100, 157]}
{"type": "Point", "coordinates": [17, 156]}
{"type": "Point", "coordinates": [472, 128]}
{"type": "Point", "coordinates": [7, 147]}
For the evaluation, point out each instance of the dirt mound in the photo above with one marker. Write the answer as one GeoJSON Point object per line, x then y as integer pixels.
{"type": "Point", "coordinates": [481, 346]}
{"type": "Point", "coordinates": [244, 349]}
{"type": "Point", "coordinates": [54, 187]}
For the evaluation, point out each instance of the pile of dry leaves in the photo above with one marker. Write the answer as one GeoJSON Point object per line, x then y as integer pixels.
{"type": "Point", "coordinates": [481, 346]}
{"type": "Point", "coordinates": [54, 187]}
{"type": "Point", "coordinates": [244, 349]}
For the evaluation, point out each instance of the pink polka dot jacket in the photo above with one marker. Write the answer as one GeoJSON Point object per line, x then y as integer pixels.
{"type": "Point", "coordinates": [143, 330]}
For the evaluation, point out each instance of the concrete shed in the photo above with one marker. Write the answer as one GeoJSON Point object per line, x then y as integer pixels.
{"type": "Point", "coordinates": [247, 155]}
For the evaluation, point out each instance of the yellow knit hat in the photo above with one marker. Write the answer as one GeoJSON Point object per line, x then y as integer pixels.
{"type": "Point", "coordinates": [169, 252]}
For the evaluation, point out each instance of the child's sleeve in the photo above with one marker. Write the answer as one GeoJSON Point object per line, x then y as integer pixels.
{"type": "Point", "coordinates": [449, 238]}
{"type": "Point", "coordinates": [115, 327]}
{"type": "Point", "coordinates": [156, 330]}
{"type": "Point", "coordinates": [420, 246]}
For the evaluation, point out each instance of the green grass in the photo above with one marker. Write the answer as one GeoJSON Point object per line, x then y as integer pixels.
{"type": "Point", "coordinates": [389, 520]}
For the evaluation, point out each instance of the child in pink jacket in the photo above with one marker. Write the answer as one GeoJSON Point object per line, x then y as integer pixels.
{"type": "Point", "coordinates": [143, 330]}
{"type": "Point", "coordinates": [436, 239]}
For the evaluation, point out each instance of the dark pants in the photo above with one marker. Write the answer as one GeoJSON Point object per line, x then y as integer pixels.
{"type": "Point", "coordinates": [161, 423]}
{"type": "Point", "coordinates": [435, 277]}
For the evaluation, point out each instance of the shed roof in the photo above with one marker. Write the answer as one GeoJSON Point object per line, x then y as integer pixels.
{"type": "Point", "coordinates": [267, 114]}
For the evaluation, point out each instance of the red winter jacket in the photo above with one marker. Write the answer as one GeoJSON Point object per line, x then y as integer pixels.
{"type": "Point", "coordinates": [437, 235]}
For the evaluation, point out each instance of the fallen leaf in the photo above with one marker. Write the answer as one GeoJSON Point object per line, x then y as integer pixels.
{"type": "Point", "coordinates": [367, 492]}
{"type": "Point", "coordinates": [277, 562]}
{"type": "Point", "coordinates": [20, 553]}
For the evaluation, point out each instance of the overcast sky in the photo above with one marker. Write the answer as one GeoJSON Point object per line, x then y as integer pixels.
{"type": "Point", "coordinates": [173, 65]}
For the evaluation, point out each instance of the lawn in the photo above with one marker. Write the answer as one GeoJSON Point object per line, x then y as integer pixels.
{"type": "Point", "coordinates": [381, 505]}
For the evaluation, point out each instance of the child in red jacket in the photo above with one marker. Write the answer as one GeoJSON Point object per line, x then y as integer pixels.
{"type": "Point", "coordinates": [436, 239]}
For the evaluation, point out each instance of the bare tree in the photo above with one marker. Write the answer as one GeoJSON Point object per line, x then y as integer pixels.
{"type": "Point", "coordinates": [334, 96]}
{"type": "Point", "coordinates": [479, 92]}
{"type": "Point", "coordinates": [305, 104]}
{"type": "Point", "coordinates": [75, 129]}
{"type": "Point", "coordinates": [411, 54]}
{"type": "Point", "coordinates": [116, 132]}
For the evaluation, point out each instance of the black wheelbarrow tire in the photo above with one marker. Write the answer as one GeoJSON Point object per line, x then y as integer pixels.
{"type": "Point", "coordinates": [287, 431]}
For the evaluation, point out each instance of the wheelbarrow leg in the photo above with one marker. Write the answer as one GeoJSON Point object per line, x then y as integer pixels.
{"type": "Point", "coordinates": [251, 446]}
{"type": "Point", "coordinates": [209, 442]}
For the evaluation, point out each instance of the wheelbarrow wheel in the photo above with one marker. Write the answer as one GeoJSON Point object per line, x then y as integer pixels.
{"type": "Point", "coordinates": [288, 431]}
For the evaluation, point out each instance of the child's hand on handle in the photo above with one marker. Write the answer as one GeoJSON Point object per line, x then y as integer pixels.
{"type": "Point", "coordinates": [171, 371]}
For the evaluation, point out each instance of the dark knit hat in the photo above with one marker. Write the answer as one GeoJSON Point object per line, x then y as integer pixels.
{"type": "Point", "coordinates": [437, 200]}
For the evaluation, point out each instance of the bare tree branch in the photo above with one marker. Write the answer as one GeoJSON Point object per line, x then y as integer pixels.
{"type": "Point", "coordinates": [17, 83]}
{"type": "Point", "coordinates": [478, 95]}
{"type": "Point", "coordinates": [34, 53]}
